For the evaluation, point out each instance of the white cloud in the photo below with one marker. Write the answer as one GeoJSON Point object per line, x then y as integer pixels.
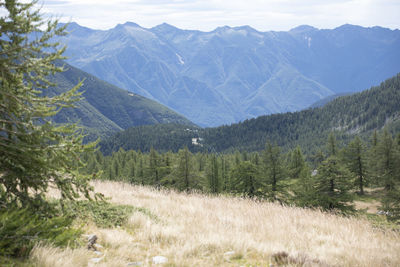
{"type": "Point", "coordinates": [207, 15]}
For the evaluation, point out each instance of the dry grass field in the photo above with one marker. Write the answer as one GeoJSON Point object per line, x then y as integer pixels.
{"type": "Point", "coordinates": [199, 230]}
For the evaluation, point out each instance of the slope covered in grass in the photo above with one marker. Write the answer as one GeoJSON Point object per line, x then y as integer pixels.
{"type": "Point", "coordinates": [199, 230]}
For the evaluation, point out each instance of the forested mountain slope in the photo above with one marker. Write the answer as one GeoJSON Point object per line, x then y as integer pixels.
{"type": "Point", "coordinates": [235, 73]}
{"type": "Point", "coordinates": [359, 113]}
{"type": "Point", "coordinates": [107, 109]}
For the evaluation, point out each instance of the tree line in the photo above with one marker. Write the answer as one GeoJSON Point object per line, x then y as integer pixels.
{"type": "Point", "coordinates": [359, 114]}
{"type": "Point", "coordinates": [329, 179]}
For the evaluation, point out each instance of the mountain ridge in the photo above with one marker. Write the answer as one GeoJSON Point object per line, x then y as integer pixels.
{"type": "Point", "coordinates": [360, 113]}
{"type": "Point", "coordinates": [106, 109]}
{"type": "Point", "coordinates": [230, 64]}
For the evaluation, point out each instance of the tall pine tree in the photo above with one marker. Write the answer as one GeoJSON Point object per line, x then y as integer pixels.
{"type": "Point", "coordinates": [34, 152]}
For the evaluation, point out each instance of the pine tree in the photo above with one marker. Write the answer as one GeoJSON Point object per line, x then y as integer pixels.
{"type": "Point", "coordinates": [387, 161]}
{"type": "Point", "coordinates": [212, 174]}
{"type": "Point", "coordinates": [332, 186]}
{"type": "Point", "coordinates": [184, 172]}
{"type": "Point", "coordinates": [153, 166]}
{"type": "Point", "coordinates": [35, 152]}
{"type": "Point", "coordinates": [388, 173]}
{"type": "Point", "coordinates": [332, 145]}
{"type": "Point", "coordinates": [296, 163]}
{"type": "Point", "coordinates": [354, 156]}
{"type": "Point", "coordinates": [372, 158]}
{"type": "Point", "coordinates": [245, 178]}
{"type": "Point", "coordinates": [304, 193]}
{"type": "Point", "coordinates": [273, 169]}
{"type": "Point", "coordinates": [225, 177]}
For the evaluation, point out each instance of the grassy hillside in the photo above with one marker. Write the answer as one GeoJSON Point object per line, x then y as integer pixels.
{"type": "Point", "coordinates": [199, 230]}
{"type": "Point", "coordinates": [106, 108]}
{"type": "Point", "coordinates": [359, 113]}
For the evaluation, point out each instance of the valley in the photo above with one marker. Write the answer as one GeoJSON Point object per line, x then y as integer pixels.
{"type": "Point", "coordinates": [232, 74]}
{"type": "Point", "coordinates": [162, 146]}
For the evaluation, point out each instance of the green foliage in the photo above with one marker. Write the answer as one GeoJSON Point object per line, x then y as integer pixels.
{"type": "Point", "coordinates": [246, 179]}
{"type": "Point", "coordinates": [163, 137]}
{"type": "Point", "coordinates": [359, 113]}
{"type": "Point", "coordinates": [21, 229]}
{"type": "Point", "coordinates": [106, 109]}
{"type": "Point", "coordinates": [103, 214]}
{"type": "Point", "coordinates": [273, 170]}
{"type": "Point", "coordinates": [332, 186]}
{"type": "Point", "coordinates": [33, 151]}
{"type": "Point", "coordinates": [271, 174]}
{"type": "Point", "coordinates": [296, 163]}
{"type": "Point", "coordinates": [213, 175]}
{"type": "Point", "coordinates": [355, 157]}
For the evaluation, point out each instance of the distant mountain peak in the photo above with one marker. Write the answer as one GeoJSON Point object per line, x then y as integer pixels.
{"type": "Point", "coordinates": [246, 28]}
{"type": "Point", "coordinates": [165, 28]}
{"type": "Point", "coordinates": [222, 28]}
{"type": "Point", "coordinates": [349, 27]}
{"type": "Point", "coordinates": [128, 24]}
{"type": "Point", "coordinates": [303, 28]}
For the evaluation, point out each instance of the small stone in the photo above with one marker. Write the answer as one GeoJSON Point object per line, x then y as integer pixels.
{"type": "Point", "coordinates": [95, 260]}
{"type": "Point", "coordinates": [92, 239]}
{"type": "Point", "coordinates": [159, 260]}
{"type": "Point", "coordinates": [135, 263]}
{"type": "Point", "coordinates": [229, 253]}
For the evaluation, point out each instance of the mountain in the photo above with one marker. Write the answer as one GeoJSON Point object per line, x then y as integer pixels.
{"type": "Point", "coordinates": [235, 73]}
{"type": "Point", "coordinates": [107, 109]}
{"type": "Point", "coordinates": [360, 113]}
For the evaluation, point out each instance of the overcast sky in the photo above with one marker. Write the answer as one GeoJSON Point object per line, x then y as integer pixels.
{"type": "Point", "coordinates": [206, 15]}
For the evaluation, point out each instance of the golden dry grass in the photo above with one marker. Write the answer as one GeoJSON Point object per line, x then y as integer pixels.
{"type": "Point", "coordinates": [199, 230]}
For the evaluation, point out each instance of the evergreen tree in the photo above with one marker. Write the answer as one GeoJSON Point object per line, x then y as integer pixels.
{"type": "Point", "coordinates": [35, 152]}
{"type": "Point", "coordinates": [332, 186]}
{"type": "Point", "coordinates": [245, 178]}
{"type": "Point", "coordinates": [296, 163]}
{"type": "Point", "coordinates": [332, 145]}
{"type": "Point", "coordinates": [184, 172]}
{"type": "Point", "coordinates": [355, 160]}
{"type": "Point", "coordinates": [304, 193]}
{"type": "Point", "coordinates": [387, 161]}
{"type": "Point", "coordinates": [212, 174]}
{"type": "Point", "coordinates": [153, 166]}
{"type": "Point", "coordinates": [372, 159]}
{"type": "Point", "coordinates": [273, 169]}
{"type": "Point", "coordinates": [225, 177]}
{"type": "Point", "coordinates": [388, 173]}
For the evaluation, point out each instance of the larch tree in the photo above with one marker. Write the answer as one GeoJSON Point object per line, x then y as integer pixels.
{"type": "Point", "coordinates": [355, 159]}
{"type": "Point", "coordinates": [34, 152]}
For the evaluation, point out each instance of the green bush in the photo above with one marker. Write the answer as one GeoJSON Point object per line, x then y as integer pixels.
{"type": "Point", "coordinates": [21, 229]}
{"type": "Point", "coordinates": [102, 213]}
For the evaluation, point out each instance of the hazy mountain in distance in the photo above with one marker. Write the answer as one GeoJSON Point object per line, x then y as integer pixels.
{"type": "Point", "coordinates": [357, 114]}
{"type": "Point", "coordinates": [234, 73]}
{"type": "Point", "coordinates": [107, 109]}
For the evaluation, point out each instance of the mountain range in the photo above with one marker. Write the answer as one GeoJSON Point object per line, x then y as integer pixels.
{"type": "Point", "coordinates": [357, 114]}
{"type": "Point", "coordinates": [235, 73]}
{"type": "Point", "coordinates": [106, 109]}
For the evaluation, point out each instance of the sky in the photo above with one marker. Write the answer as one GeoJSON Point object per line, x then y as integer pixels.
{"type": "Point", "coordinates": [206, 15]}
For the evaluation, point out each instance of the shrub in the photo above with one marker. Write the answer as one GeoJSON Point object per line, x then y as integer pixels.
{"type": "Point", "coordinates": [20, 229]}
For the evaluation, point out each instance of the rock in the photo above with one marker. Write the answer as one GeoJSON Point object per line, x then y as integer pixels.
{"type": "Point", "coordinates": [136, 263]}
{"type": "Point", "coordinates": [91, 241]}
{"type": "Point", "coordinates": [159, 260]}
{"type": "Point", "coordinates": [95, 260]}
{"type": "Point", "coordinates": [229, 253]}
{"type": "Point", "coordinates": [98, 253]}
